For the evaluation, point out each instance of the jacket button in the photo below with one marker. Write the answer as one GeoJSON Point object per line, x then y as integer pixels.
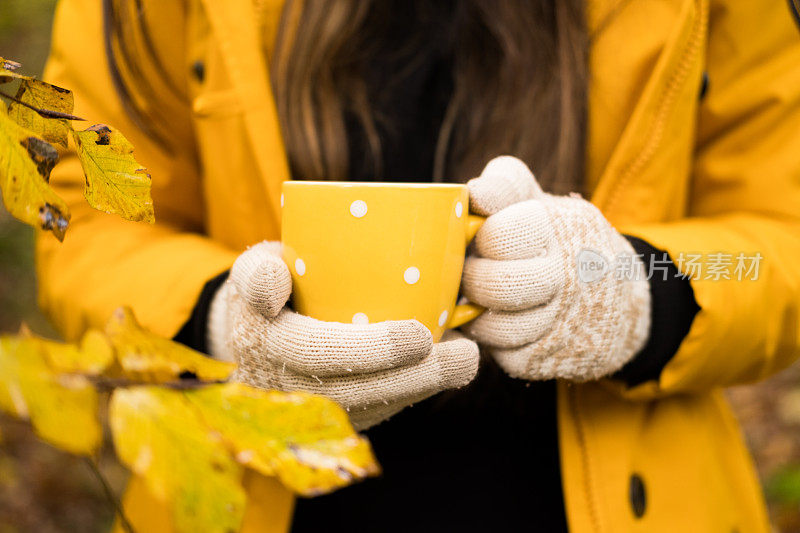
{"type": "Point", "coordinates": [704, 85]}
{"type": "Point", "coordinates": [637, 495]}
{"type": "Point", "coordinates": [199, 70]}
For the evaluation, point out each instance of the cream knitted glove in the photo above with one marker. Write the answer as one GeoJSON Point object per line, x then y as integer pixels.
{"type": "Point", "coordinates": [543, 319]}
{"type": "Point", "coordinates": [372, 370]}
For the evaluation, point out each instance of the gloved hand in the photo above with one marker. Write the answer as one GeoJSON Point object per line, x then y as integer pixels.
{"type": "Point", "coordinates": [542, 320]}
{"type": "Point", "coordinates": [372, 370]}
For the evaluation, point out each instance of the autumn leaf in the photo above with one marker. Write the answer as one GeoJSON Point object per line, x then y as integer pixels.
{"type": "Point", "coordinates": [146, 357]}
{"type": "Point", "coordinates": [158, 434]}
{"type": "Point", "coordinates": [305, 440]}
{"type": "Point", "coordinates": [44, 96]}
{"type": "Point", "coordinates": [40, 114]}
{"type": "Point", "coordinates": [61, 407]}
{"type": "Point", "coordinates": [25, 164]}
{"type": "Point", "coordinates": [115, 182]}
{"type": "Point", "coordinates": [189, 446]}
{"type": "Point", "coordinates": [91, 358]}
{"type": "Point", "coordinates": [191, 442]}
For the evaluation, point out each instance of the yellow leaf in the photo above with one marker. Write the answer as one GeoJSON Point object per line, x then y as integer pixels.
{"type": "Point", "coordinates": [160, 437]}
{"type": "Point", "coordinates": [45, 96]}
{"type": "Point", "coordinates": [61, 407]}
{"type": "Point", "coordinates": [306, 441]}
{"type": "Point", "coordinates": [188, 446]}
{"type": "Point", "coordinates": [97, 353]}
{"type": "Point", "coordinates": [91, 358]}
{"type": "Point", "coordinates": [115, 182]}
{"type": "Point", "coordinates": [25, 164]}
{"type": "Point", "coordinates": [147, 357]}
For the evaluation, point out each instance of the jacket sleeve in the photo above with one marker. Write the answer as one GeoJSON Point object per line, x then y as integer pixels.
{"type": "Point", "coordinates": [745, 199]}
{"type": "Point", "coordinates": [106, 262]}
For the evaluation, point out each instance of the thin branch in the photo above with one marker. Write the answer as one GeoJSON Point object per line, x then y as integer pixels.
{"type": "Point", "coordinates": [107, 384]}
{"type": "Point", "coordinates": [46, 113]}
{"type": "Point", "coordinates": [123, 520]}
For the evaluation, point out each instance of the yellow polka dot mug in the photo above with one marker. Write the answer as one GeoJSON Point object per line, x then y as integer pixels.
{"type": "Point", "coordinates": [368, 252]}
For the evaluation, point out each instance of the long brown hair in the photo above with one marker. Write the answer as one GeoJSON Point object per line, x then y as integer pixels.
{"type": "Point", "coordinates": [520, 87]}
{"type": "Point", "coordinates": [519, 71]}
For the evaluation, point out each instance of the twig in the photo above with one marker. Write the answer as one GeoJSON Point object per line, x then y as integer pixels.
{"type": "Point", "coordinates": [46, 113]}
{"type": "Point", "coordinates": [123, 520]}
{"type": "Point", "coordinates": [106, 384]}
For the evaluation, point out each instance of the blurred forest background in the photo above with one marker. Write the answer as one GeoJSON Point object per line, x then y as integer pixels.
{"type": "Point", "coordinates": [43, 490]}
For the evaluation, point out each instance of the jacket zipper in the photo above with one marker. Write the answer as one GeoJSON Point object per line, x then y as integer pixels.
{"type": "Point", "coordinates": [654, 140]}
{"type": "Point", "coordinates": [656, 133]}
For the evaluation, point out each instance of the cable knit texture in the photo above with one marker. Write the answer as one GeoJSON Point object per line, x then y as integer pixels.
{"type": "Point", "coordinates": [543, 320]}
{"type": "Point", "coordinates": [372, 370]}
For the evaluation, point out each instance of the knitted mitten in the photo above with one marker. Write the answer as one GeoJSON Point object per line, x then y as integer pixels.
{"type": "Point", "coordinates": [372, 370]}
{"type": "Point", "coordinates": [543, 266]}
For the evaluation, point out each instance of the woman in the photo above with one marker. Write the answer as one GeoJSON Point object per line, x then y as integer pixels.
{"type": "Point", "coordinates": [597, 406]}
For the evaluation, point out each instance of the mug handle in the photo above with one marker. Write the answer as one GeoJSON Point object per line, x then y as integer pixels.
{"type": "Point", "coordinates": [463, 313]}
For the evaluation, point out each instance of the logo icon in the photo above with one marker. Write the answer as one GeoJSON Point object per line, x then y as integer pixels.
{"type": "Point", "coordinates": [592, 266]}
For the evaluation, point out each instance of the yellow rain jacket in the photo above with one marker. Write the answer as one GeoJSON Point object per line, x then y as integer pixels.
{"type": "Point", "coordinates": [688, 174]}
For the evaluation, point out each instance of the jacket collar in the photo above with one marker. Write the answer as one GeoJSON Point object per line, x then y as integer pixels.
{"type": "Point", "coordinates": [234, 25]}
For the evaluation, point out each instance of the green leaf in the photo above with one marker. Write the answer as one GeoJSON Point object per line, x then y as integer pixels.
{"type": "Point", "coordinates": [115, 182]}
{"type": "Point", "coordinates": [45, 96]}
{"type": "Point", "coordinates": [784, 485]}
{"type": "Point", "coordinates": [25, 165]}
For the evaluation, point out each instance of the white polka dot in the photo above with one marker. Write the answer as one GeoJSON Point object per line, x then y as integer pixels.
{"type": "Point", "coordinates": [358, 208]}
{"type": "Point", "coordinates": [443, 318]}
{"type": "Point", "coordinates": [459, 209]}
{"type": "Point", "coordinates": [299, 266]}
{"type": "Point", "coordinates": [411, 275]}
{"type": "Point", "coordinates": [360, 318]}
{"type": "Point", "coordinates": [282, 202]}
